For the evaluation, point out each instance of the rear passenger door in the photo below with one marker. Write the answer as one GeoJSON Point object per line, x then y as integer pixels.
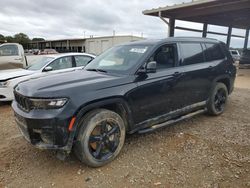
{"type": "Point", "coordinates": [197, 72]}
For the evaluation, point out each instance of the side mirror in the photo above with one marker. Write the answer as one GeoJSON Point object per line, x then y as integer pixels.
{"type": "Point", "coordinates": [47, 69]}
{"type": "Point", "coordinates": [151, 67]}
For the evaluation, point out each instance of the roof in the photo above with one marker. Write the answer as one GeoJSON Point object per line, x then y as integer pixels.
{"type": "Point", "coordinates": [83, 39]}
{"type": "Point", "coordinates": [67, 54]}
{"type": "Point", "coordinates": [235, 13]}
{"type": "Point", "coordinates": [172, 39]}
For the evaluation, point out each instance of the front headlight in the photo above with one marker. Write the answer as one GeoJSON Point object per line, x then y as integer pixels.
{"type": "Point", "coordinates": [3, 84]}
{"type": "Point", "coordinates": [48, 103]}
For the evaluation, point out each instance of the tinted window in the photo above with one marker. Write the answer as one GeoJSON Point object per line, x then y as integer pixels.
{"type": "Point", "coordinates": [9, 50]}
{"type": "Point", "coordinates": [61, 63]}
{"type": "Point", "coordinates": [191, 53]}
{"type": "Point", "coordinates": [164, 57]}
{"type": "Point", "coordinates": [213, 52]}
{"type": "Point", "coordinates": [82, 60]}
{"type": "Point", "coordinates": [246, 53]}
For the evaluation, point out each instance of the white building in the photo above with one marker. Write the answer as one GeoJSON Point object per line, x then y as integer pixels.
{"type": "Point", "coordinates": [93, 45]}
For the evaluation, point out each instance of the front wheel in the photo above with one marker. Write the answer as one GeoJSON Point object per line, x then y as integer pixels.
{"type": "Point", "coordinates": [100, 138]}
{"type": "Point", "coordinates": [218, 99]}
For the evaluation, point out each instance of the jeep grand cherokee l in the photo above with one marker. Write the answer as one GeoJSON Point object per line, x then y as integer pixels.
{"type": "Point", "coordinates": [131, 88]}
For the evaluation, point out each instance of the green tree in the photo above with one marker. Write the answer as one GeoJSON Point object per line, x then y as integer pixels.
{"type": "Point", "coordinates": [22, 39]}
{"type": "Point", "coordinates": [9, 39]}
{"type": "Point", "coordinates": [38, 39]}
{"type": "Point", "coordinates": [2, 38]}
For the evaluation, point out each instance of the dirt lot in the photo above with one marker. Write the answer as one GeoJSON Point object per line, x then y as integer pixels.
{"type": "Point", "coordinates": [200, 152]}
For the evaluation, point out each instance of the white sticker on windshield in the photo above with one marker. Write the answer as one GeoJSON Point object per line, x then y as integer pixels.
{"type": "Point", "coordinates": [139, 50]}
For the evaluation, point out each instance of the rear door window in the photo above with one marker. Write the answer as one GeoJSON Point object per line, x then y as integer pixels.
{"type": "Point", "coordinates": [213, 52]}
{"type": "Point", "coordinates": [192, 53]}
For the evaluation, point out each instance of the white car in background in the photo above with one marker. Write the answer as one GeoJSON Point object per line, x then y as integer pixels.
{"type": "Point", "coordinates": [47, 64]}
{"type": "Point", "coordinates": [235, 54]}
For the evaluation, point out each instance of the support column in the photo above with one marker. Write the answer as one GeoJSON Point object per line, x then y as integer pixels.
{"type": "Point", "coordinates": [229, 34]}
{"type": "Point", "coordinates": [246, 38]}
{"type": "Point", "coordinates": [204, 32]}
{"type": "Point", "coordinates": [171, 27]}
{"type": "Point", "coordinates": [67, 45]}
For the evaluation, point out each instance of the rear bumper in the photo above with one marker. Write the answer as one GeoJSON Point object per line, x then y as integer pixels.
{"type": "Point", "coordinates": [6, 94]}
{"type": "Point", "coordinates": [43, 129]}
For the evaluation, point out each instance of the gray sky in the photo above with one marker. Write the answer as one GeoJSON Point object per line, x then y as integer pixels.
{"type": "Point", "coordinates": [55, 19]}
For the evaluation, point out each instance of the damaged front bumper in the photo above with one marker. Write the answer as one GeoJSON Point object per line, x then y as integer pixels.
{"type": "Point", "coordinates": [45, 131]}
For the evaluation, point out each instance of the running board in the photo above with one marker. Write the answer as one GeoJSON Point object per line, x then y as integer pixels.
{"type": "Point", "coordinates": [157, 126]}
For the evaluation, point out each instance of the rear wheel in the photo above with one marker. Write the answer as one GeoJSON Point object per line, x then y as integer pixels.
{"type": "Point", "coordinates": [218, 99]}
{"type": "Point", "coordinates": [100, 138]}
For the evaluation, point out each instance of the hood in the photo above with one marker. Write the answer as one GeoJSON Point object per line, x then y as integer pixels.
{"type": "Point", "coordinates": [33, 76]}
{"type": "Point", "coordinates": [63, 84]}
{"type": "Point", "coordinates": [6, 75]}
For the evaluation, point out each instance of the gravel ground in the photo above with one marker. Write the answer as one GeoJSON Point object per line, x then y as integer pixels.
{"type": "Point", "coordinates": [201, 152]}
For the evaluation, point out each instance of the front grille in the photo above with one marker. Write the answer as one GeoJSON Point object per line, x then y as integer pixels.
{"type": "Point", "coordinates": [22, 101]}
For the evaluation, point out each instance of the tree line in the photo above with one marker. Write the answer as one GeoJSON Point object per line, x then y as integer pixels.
{"type": "Point", "coordinates": [20, 38]}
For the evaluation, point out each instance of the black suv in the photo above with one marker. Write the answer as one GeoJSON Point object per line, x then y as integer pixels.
{"type": "Point", "coordinates": [134, 87]}
{"type": "Point", "coordinates": [245, 58]}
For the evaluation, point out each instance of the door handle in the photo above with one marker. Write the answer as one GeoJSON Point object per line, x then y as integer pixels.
{"type": "Point", "coordinates": [211, 68]}
{"type": "Point", "coordinates": [178, 74]}
{"type": "Point", "coordinates": [17, 59]}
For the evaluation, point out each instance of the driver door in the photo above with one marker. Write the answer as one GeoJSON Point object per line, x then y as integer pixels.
{"type": "Point", "coordinates": [161, 92]}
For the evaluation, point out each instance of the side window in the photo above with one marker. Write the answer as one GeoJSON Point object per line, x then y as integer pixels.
{"type": "Point", "coordinates": [82, 60]}
{"type": "Point", "coordinates": [61, 63]}
{"type": "Point", "coordinates": [9, 50]}
{"type": "Point", "coordinates": [213, 52]}
{"type": "Point", "coordinates": [165, 57]}
{"type": "Point", "coordinates": [192, 53]}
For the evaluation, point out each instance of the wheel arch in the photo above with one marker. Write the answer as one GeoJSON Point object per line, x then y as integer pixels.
{"type": "Point", "coordinates": [225, 80]}
{"type": "Point", "coordinates": [117, 104]}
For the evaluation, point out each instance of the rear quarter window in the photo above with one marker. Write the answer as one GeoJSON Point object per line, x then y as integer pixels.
{"type": "Point", "coordinates": [213, 52]}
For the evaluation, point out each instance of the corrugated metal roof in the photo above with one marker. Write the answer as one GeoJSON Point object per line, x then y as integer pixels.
{"type": "Point", "coordinates": [234, 13]}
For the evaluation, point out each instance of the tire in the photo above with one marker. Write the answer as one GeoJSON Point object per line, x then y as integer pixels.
{"type": "Point", "coordinates": [100, 138]}
{"type": "Point", "coordinates": [217, 99]}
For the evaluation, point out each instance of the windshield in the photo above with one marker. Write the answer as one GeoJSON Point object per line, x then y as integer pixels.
{"type": "Point", "coordinates": [37, 65]}
{"type": "Point", "coordinates": [119, 59]}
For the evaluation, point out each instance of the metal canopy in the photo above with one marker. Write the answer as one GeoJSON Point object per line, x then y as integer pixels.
{"type": "Point", "coordinates": [229, 13]}
{"type": "Point", "coordinates": [235, 13]}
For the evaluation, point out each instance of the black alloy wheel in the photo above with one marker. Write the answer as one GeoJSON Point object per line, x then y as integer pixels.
{"type": "Point", "coordinates": [104, 139]}
{"type": "Point", "coordinates": [220, 100]}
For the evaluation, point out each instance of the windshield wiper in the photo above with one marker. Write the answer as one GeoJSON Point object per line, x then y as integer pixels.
{"type": "Point", "coordinates": [96, 70]}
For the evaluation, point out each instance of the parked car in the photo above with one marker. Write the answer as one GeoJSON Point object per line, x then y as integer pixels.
{"type": "Point", "coordinates": [245, 58]}
{"type": "Point", "coordinates": [235, 54]}
{"type": "Point", "coordinates": [11, 56]}
{"type": "Point", "coordinates": [48, 64]}
{"type": "Point", "coordinates": [134, 87]}
{"type": "Point", "coordinates": [47, 51]}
